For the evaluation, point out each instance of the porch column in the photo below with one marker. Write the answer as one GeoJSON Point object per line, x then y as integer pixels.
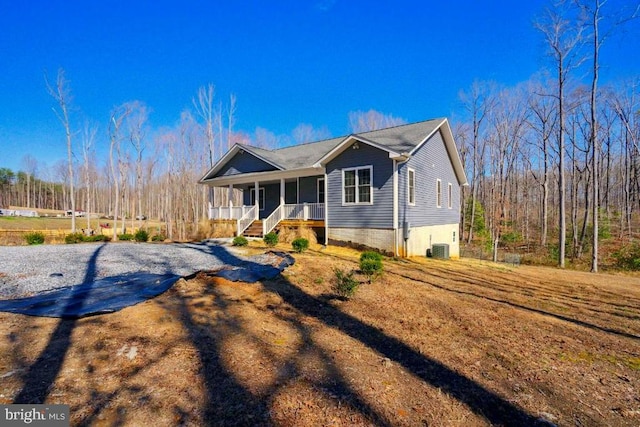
{"type": "Point", "coordinates": [230, 197]}
{"type": "Point", "coordinates": [282, 191]}
{"type": "Point", "coordinates": [257, 193]}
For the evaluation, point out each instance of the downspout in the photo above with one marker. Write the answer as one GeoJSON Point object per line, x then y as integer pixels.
{"type": "Point", "coordinates": [326, 209]}
{"type": "Point", "coordinates": [395, 207]}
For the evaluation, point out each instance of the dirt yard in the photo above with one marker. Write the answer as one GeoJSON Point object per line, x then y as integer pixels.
{"type": "Point", "coordinates": [429, 343]}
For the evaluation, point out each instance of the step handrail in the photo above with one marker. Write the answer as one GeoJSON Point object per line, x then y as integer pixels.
{"type": "Point", "coordinates": [272, 220]}
{"type": "Point", "coordinates": [247, 219]}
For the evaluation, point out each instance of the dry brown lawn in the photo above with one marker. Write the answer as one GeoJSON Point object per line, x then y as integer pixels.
{"type": "Point", "coordinates": [429, 343]}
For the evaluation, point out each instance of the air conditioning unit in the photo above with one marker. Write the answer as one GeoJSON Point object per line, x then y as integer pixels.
{"type": "Point", "coordinates": [440, 250]}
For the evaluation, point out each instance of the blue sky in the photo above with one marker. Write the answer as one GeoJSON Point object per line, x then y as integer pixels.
{"type": "Point", "coordinates": [287, 62]}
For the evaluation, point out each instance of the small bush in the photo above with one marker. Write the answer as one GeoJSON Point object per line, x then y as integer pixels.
{"type": "Point", "coordinates": [345, 285]}
{"type": "Point", "coordinates": [240, 241]}
{"type": "Point", "coordinates": [300, 244]}
{"type": "Point", "coordinates": [271, 239]}
{"type": "Point", "coordinates": [628, 257]}
{"type": "Point", "coordinates": [97, 238]}
{"type": "Point", "coordinates": [35, 238]}
{"type": "Point", "coordinates": [72, 238]}
{"type": "Point", "coordinates": [371, 264]}
{"type": "Point", "coordinates": [141, 235]}
{"type": "Point", "coordinates": [371, 255]}
{"type": "Point", "coordinates": [125, 236]}
{"type": "Point", "coordinates": [158, 238]}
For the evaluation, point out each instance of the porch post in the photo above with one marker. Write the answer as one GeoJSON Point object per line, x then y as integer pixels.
{"type": "Point", "coordinates": [282, 191]}
{"type": "Point", "coordinates": [257, 205]}
{"type": "Point", "coordinates": [230, 197]}
{"type": "Point", "coordinates": [211, 203]}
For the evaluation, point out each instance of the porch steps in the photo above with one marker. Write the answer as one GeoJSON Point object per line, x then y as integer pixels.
{"type": "Point", "coordinates": [254, 230]}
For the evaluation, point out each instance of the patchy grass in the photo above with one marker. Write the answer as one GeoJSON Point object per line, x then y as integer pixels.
{"type": "Point", "coordinates": [431, 342]}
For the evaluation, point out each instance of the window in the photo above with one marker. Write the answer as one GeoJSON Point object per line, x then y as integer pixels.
{"type": "Point", "coordinates": [356, 185]}
{"type": "Point", "coordinates": [439, 193]}
{"type": "Point", "coordinates": [450, 195]}
{"type": "Point", "coordinates": [454, 237]}
{"type": "Point", "coordinates": [320, 190]}
{"type": "Point", "coordinates": [260, 199]}
{"type": "Point", "coordinates": [411, 185]}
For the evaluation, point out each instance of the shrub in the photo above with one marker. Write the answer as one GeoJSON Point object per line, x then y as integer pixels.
{"type": "Point", "coordinates": [96, 238]}
{"type": "Point", "coordinates": [300, 244]}
{"type": "Point", "coordinates": [271, 239]}
{"type": "Point", "coordinates": [345, 285]}
{"type": "Point", "coordinates": [35, 238]}
{"type": "Point", "coordinates": [141, 235]}
{"type": "Point", "coordinates": [628, 257]}
{"type": "Point", "coordinates": [240, 241]}
{"type": "Point", "coordinates": [125, 236]}
{"type": "Point", "coordinates": [158, 238]}
{"type": "Point", "coordinates": [76, 237]}
{"type": "Point", "coordinates": [371, 264]}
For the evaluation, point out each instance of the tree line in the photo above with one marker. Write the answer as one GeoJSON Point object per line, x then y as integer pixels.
{"type": "Point", "coordinates": [557, 154]}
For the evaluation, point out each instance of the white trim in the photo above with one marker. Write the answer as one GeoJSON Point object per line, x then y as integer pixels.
{"type": "Point", "coordinates": [260, 191]}
{"type": "Point", "coordinates": [249, 178]}
{"type": "Point", "coordinates": [229, 155]}
{"type": "Point", "coordinates": [357, 193]}
{"type": "Point", "coordinates": [297, 190]}
{"type": "Point", "coordinates": [324, 193]}
{"type": "Point", "coordinates": [450, 196]}
{"type": "Point", "coordinates": [411, 171]}
{"type": "Point", "coordinates": [326, 210]}
{"type": "Point", "coordinates": [395, 207]}
{"type": "Point", "coordinates": [438, 193]}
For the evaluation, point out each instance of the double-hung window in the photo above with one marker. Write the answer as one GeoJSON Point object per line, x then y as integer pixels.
{"type": "Point", "coordinates": [411, 186]}
{"type": "Point", "coordinates": [450, 196]}
{"type": "Point", "coordinates": [356, 185]}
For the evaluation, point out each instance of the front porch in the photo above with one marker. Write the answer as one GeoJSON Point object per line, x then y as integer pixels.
{"type": "Point", "coordinates": [249, 223]}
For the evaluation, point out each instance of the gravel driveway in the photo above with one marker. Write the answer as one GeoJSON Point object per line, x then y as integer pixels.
{"type": "Point", "coordinates": [25, 270]}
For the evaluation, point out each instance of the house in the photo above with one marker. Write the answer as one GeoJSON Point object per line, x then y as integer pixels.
{"type": "Point", "coordinates": [395, 189]}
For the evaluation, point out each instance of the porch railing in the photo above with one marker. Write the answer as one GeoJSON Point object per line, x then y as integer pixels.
{"type": "Point", "coordinates": [227, 212]}
{"type": "Point", "coordinates": [246, 220]}
{"type": "Point", "coordinates": [303, 211]}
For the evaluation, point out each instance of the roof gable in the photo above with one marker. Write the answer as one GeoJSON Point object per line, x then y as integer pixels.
{"type": "Point", "coordinates": [399, 141]}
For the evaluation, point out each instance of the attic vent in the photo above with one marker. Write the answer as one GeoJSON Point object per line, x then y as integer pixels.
{"type": "Point", "coordinates": [440, 250]}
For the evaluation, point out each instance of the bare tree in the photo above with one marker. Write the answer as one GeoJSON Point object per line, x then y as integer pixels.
{"type": "Point", "coordinates": [592, 16]}
{"type": "Point", "coordinates": [543, 121]}
{"type": "Point", "coordinates": [88, 154]}
{"type": "Point", "coordinates": [204, 109]}
{"type": "Point", "coordinates": [118, 115]}
{"type": "Point", "coordinates": [364, 121]}
{"type": "Point", "coordinates": [564, 40]}
{"type": "Point", "coordinates": [136, 121]}
{"type": "Point", "coordinates": [61, 92]}
{"type": "Point", "coordinates": [478, 102]}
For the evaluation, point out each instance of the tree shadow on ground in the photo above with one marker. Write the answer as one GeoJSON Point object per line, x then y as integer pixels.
{"type": "Point", "coordinates": [42, 373]}
{"type": "Point", "coordinates": [477, 398]}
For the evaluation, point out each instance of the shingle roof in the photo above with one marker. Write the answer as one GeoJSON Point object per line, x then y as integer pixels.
{"type": "Point", "coordinates": [400, 139]}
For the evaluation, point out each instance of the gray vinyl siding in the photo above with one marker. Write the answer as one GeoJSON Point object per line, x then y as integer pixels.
{"type": "Point", "coordinates": [244, 163]}
{"type": "Point", "coordinates": [431, 162]}
{"type": "Point", "coordinates": [309, 189]}
{"type": "Point", "coordinates": [290, 192]}
{"type": "Point", "coordinates": [377, 215]}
